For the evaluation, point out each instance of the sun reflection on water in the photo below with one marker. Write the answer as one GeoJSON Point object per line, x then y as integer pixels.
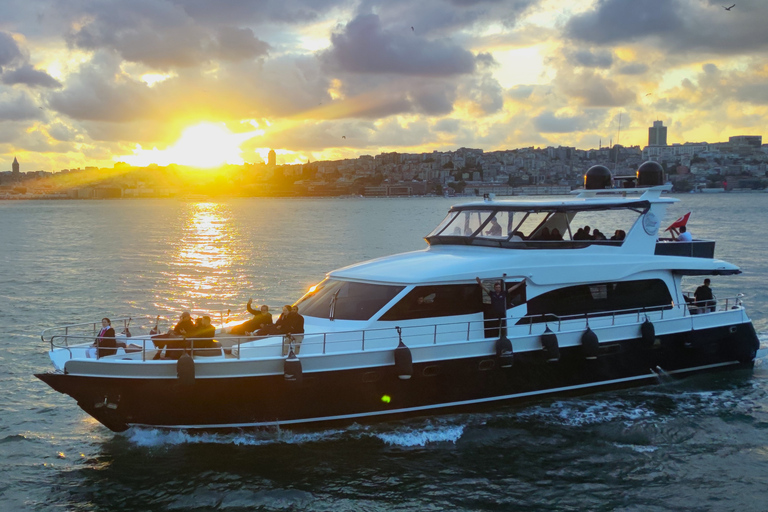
{"type": "Point", "coordinates": [205, 255]}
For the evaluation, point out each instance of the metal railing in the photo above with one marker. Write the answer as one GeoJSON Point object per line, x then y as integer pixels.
{"type": "Point", "coordinates": [387, 337]}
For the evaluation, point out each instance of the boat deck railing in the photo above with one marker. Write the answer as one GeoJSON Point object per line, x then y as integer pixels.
{"type": "Point", "coordinates": [142, 348]}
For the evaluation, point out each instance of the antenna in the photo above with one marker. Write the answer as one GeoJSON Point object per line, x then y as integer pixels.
{"type": "Point", "coordinates": [618, 136]}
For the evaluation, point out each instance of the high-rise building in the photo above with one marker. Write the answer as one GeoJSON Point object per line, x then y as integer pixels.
{"type": "Point", "coordinates": [15, 168]}
{"type": "Point", "coordinates": [272, 158]}
{"type": "Point", "coordinates": [657, 134]}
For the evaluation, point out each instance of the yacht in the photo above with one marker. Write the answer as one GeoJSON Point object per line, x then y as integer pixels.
{"type": "Point", "coordinates": [421, 333]}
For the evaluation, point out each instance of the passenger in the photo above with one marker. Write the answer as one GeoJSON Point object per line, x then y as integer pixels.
{"type": "Point", "coordinates": [704, 299]}
{"type": "Point", "coordinates": [203, 337]}
{"type": "Point", "coordinates": [580, 235]}
{"type": "Point", "coordinates": [598, 235]}
{"type": "Point", "coordinates": [297, 321]}
{"type": "Point", "coordinates": [260, 320]}
{"type": "Point", "coordinates": [619, 234]}
{"type": "Point", "coordinates": [104, 344]}
{"type": "Point", "coordinates": [499, 303]}
{"type": "Point", "coordinates": [171, 342]}
{"type": "Point", "coordinates": [544, 234]}
{"type": "Point", "coordinates": [280, 326]}
{"type": "Point", "coordinates": [684, 236]}
{"type": "Point", "coordinates": [555, 234]}
{"type": "Point", "coordinates": [517, 236]}
{"type": "Point", "coordinates": [495, 228]}
{"type": "Point", "coordinates": [457, 231]}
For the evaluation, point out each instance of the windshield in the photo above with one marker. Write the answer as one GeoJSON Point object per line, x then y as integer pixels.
{"type": "Point", "coordinates": [344, 300]}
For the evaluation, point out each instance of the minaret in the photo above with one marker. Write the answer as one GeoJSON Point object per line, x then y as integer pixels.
{"type": "Point", "coordinates": [15, 167]}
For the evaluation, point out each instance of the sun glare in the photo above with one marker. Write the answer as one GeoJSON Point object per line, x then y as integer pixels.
{"type": "Point", "coordinates": [204, 145]}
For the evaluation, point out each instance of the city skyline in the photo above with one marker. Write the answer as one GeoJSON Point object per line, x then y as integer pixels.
{"type": "Point", "coordinates": [93, 83]}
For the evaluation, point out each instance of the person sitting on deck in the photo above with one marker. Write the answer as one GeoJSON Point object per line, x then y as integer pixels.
{"type": "Point", "coordinates": [280, 326]}
{"type": "Point", "coordinates": [555, 234]}
{"type": "Point", "coordinates": [619, 234]}
{"type": "Point", "coordinates": [260, 320]}
{"type": "Point", "coordinates": [203, 337]}
{"type": "Point", "coordinates": [173, 341]}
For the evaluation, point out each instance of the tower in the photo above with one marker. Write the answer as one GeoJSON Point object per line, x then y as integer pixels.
{"type": "Point", "coordinates": [657, 134]}
{"type": "Point", "coordinates": [15, 167]}
{"type": "Point", "coordinates": [272, 158]}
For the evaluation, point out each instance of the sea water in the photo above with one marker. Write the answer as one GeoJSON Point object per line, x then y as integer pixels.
{"type": "Point", "coordinates": [696, 444]}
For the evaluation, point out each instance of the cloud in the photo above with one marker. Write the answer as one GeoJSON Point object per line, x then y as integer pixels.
{"type": "Point", "coordinates": [27, 75]}
{"type": "Point", "coordinates": [19, 106]}
{"type": "Point", "coordinates": [624, 20]}
{"type": "Point", "coordinates": [101, 92]}
{"type": "Point", "coordinates": [10, 52]}
{"type": "Point", "coordinates": [677, 27]}
{"type": "Point", "coordinates": [161, 35]}
{"type": "Point", "coordinates": [263, 11]}
{"type": "Point", "coordinates": [633, 68]}
{"type": "Point", "coordinates": [597, 59]}
{"type": "Point", "coordinates": [365, 46]}
{"type": "Point", "coordinates": [548, 122]}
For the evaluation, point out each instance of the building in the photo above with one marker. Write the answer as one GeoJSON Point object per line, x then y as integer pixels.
{"type": "Point", "coordinates": [15, 175]}
{"type": "Point", "coordinates": [657, 134]}
{"type": "Point", "coordinates": [272, 158]}
{"type": "Point", "coordinates": [749, 140]}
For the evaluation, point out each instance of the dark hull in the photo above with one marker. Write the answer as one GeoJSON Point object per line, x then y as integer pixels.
{"type": "Point", "coordinates": [378, 393]}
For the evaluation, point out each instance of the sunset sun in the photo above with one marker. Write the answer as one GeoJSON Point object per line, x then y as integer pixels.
{"type": "Point", "coordinates": [203, 145]}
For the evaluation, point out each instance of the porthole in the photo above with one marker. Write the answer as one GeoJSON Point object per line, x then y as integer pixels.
{"type": "Point", "coordinates": [431, 371]}
{"type": "Point", "coordinates": [371, 377]}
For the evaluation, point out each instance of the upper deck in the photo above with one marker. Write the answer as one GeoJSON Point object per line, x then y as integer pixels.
{"type": "Point", "coordinates": [604, 218]}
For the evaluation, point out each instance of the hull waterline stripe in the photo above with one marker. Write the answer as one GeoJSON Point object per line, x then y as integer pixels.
{"type": "Point", "coordinates": [651, 375]}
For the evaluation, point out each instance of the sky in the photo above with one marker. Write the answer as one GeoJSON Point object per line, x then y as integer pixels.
{"type": "Point", "coordinates": [203, 82]}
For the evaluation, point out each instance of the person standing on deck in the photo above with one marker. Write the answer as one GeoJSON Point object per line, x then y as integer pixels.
{"type": "Point", "coordinates": [498, 298]}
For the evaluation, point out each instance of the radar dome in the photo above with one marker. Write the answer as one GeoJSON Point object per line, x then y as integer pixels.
{"type": "Point", "coordinates": [597, 177]}
{"type": "Point", "coordinates": [650, 174]}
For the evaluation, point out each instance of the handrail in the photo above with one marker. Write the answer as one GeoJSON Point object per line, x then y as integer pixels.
{"type": "Point", "coordinates": [428, 333]}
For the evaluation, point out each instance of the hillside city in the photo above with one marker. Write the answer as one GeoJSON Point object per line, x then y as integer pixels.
{"type": "Point", "coordinates": [737, 165]}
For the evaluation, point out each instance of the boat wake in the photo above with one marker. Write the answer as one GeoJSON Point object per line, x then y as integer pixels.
{"type": "Point", "coordinates": [405, 436]}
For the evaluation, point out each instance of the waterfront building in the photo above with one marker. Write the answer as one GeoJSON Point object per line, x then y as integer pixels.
{"type": "Point", "coordinates": [657, 134]}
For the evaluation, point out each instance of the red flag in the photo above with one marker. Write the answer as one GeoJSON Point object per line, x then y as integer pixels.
{"type": "Point", "coordinates": [682, 221]}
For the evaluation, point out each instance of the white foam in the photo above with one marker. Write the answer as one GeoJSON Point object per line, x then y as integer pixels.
{"type": "Point", "coordinates": [422, 437]}
{"type": "Point", "coordinates": [579, 413]}
{"type": "Point", "coordinates": [150, 437]}
{"type": "Point", "coordinates": [637, 448]}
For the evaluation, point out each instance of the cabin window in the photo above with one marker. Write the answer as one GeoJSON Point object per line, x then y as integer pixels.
{"type": "Point", "coordinates": [344, 300]}
{"type": "Point", "coordinates": [436, 301]}
{"type": "Point", "coordinates": [602, 297]}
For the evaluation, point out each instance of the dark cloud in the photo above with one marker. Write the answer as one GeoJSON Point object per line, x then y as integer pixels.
{"type": "Point", "coordinates": [365, 46]}
{"type": "Point", "coordinates": [239, 44]}
{"type": "Point", "coordinates": [9, 50]}
{"type": "Point", "coordinates": [99, 92]}
{"type": "Point", "coordinates": [27, 75]}
{"type": "Point", "coordinates": [674, 26]}
{"type": "Point", "coordinates": [484, 93]}
{"type": "Point", "coordinates": [548, 122]}
{"type": "Point", "coordinates": [593, 59]}
{"type": "Point", "coordinates": [593, 90]}
{"type": "Point", "coordinates": [161, 35]}
{"type": "Point", "coordinates": [19, 106]}
{"type": "Point", "coordinates": [262, 11]}
{"type": "Point", "coordinates": [615, 21]}
{"type": "Point", "coordinates": [448, 125]}
{"type": "Point", "coordinates": [635, 68]}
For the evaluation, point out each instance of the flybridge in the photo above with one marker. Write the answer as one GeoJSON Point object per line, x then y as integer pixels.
{"type": "Point", "coordinates": [586, 220]}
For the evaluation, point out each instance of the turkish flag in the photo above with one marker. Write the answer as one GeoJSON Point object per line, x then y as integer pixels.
{"type": "Point", "coordinates": [682, 221]}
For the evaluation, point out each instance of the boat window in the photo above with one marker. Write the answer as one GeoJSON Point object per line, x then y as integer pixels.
{"type": "Point", "coordinates": [440, 227]}
{"type": "Point", "coordinates": [531, 221]}
{"type": "Point", "coordinates": [601, 297]}
{"type": "Point", "coordinates": [466, 223]}
{"type": "Point", "coordinates": [344, 300]}
{"type": "Point", "coordinates": [500, 225]}
{"type": "Point", "coordinates": [436, 301]}
{"type": "Point", "coordinates": [612, 224]}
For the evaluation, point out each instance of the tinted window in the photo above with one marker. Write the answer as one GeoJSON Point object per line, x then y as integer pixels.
{"type": "Point", "coordinates": [349, 301]}
{"type": "Point", "coordinates": [595, 298]}
{"type": "Point", "coordinates": [434, 301]}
